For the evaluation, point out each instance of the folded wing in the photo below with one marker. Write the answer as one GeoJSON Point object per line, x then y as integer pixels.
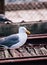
{"type": "Point", "coordinates": [9, 40]}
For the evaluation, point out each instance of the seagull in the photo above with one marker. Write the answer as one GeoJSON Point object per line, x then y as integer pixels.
{"type": "Point", "coordinates": [15, 41]}
{"type": "Point", "coordinates": [4, 19]}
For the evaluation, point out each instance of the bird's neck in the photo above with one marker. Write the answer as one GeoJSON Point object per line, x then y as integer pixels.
{"type": "Point", "coordinates": [20, 31]}
{"type": "Point", "coordinates": [23, 37]}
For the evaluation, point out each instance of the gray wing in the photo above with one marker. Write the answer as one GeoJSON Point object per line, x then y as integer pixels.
{"type": "Point", "coordinates": [10, 40]}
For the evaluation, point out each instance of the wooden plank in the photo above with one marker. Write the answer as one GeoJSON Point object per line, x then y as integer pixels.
{"type": "Point", "coordinates": [38, 51]}
{"type": "Point", "coordinates": [30, 49]}
{"type": "Point", "coordinates": [2, 55]}
{"type": "Point", "coordinates": [24, 52]}
{"type": "Point", "coordinates": [14, 53]}
{"type": "Point", "coordinates": [6, 53]}
{"type": "Point", "coordinates": [44, 50]}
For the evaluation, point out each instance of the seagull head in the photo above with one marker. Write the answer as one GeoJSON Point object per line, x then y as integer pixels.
{"type": "Point", "coordinates": [23, 30]}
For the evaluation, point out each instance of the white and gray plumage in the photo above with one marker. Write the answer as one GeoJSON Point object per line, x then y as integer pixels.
{"type": "Point", "coordinates": [3, 19]}
{"type": "Point", "coordinates": [15, 40]}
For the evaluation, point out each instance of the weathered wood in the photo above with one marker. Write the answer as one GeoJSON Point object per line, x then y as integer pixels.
{"type": "Point", "coordinates": [6, 53]}
{"type": "Point", "coordinates": [2, 55]}
{"type": "Point", "coordinates": [44, 51]}
{"type": "Point", "coordinates": [14, 53]}
{"type": "Point", "coordinates": [28, 50]}
{"type": "Point", "coordinates": [24, 52]}
{"type": "Point", "coordinates": [38, 51]}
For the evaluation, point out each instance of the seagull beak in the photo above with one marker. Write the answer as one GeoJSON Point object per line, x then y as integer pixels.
{"type": "Point", "coordinates": [28, 32]}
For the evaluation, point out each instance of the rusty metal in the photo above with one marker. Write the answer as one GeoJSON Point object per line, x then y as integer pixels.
{"type": "Point", "coordinates": [35, 36]}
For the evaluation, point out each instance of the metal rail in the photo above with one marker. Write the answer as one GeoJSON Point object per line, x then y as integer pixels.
{"type": "Point", "coordinates": [36, 36]}
{"type": "Point", "coordinates": [28, 52]}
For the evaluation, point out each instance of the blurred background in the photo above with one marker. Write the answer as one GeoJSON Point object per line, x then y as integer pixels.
{"type": "Point", "coordinates": [24, 12]}
{"type": "Point", "coordinates": [23, 1]}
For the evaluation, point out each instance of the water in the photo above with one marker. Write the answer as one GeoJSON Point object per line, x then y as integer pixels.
{"type": "Point", "coordinates": [22, 1]}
